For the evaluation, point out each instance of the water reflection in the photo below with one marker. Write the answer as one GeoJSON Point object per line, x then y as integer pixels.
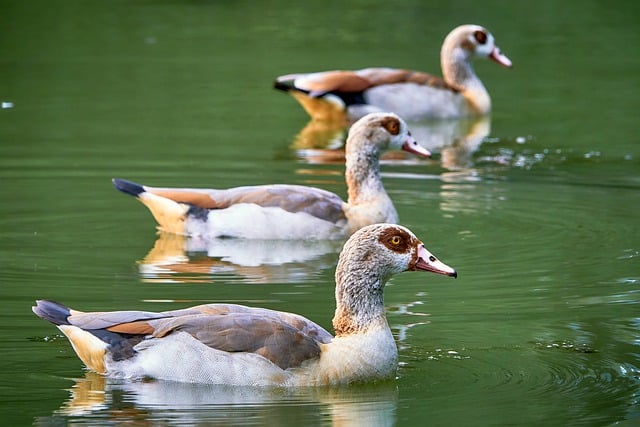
{"type": "Point", "coordinates": [102, 401]}
{"type": "Point", "coordinates": [469, 197]}
{"type": "Point", "coordinates": [456, 140]}
{"type": "Point", "coordinates": [176, 258]}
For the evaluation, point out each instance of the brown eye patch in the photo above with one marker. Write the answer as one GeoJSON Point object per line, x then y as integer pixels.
{"type": "Point", "coordinates": [397, 240]}
{"type": "Point", "coordinates": [480, 36]}
{"type": "Point", "coordinates": [392, 125]}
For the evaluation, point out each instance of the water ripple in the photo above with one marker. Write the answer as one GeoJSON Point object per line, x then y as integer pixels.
{"type": "Point", "coordinates": [546, 368]}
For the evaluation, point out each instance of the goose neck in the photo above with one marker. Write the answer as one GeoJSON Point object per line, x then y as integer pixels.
{"type": "Point", "coordinates": [359, 298]}
{"type": "Point", "coordinates": [362, 175]}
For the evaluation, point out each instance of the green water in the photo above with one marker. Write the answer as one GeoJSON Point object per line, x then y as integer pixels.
{"type": "Point", "coordinates": [537, 208]}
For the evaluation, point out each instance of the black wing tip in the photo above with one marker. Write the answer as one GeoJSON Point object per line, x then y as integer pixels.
{"type": "Point", "coordinates": [52, 311]}
{"type": "Point", "coordinates": [288, 84]}
{"type": "Point", "coordinates": [128, 187]}
{"type": "Point", "coordinates": [284, 86]}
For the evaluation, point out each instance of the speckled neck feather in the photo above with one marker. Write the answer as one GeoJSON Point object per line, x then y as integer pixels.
{"type": "Point", "coordinates": [362, 171]}
{"type": "Point", "coordinates": [363, 269]}
{"type": "Point", "coordinates": [361, 303]}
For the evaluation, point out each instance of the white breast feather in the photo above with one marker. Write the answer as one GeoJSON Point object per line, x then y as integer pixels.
{"type": "Point", "coordinates": [358, 357]}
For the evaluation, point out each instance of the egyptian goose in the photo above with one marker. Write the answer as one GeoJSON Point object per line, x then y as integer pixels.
{"type": "Point", "coordinates": [281, 211]}
{"type": "Point", "coordinates": [239, 345]}
{"type": "Point", "coordinates": [414, 95]}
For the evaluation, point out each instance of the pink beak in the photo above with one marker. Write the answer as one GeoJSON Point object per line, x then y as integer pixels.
{"type": "Point", "coordinates": [428, 262]}
{"type": "Point", "coordinates": [501, 59]}
{"type": "Point", "coordinates": [412, 146]}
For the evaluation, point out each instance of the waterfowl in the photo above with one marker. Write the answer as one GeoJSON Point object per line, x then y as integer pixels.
{"type": "Point", "coordinates": [240, 345]}
{"type": "Point", "coordinates": [281, 211]}
{"type": "Point", "coordinates": [414, 95]}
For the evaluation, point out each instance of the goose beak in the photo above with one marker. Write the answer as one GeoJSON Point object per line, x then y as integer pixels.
{"type": "Point", "coordinates": [428, 262]}
{"type": "Point", "coordinates": [412, 146]}
{"type": "Point", "coordinates": [501, 59]}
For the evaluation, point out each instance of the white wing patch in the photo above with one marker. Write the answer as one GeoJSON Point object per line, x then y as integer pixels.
{"type": "Point", "coordinates": [250, 221]}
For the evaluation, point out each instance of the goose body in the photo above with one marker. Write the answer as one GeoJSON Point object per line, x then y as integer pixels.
{"type": "Point", "coordinates": [281, 211]}
{"type": "Point", "coordinates": [414, 95]}
{"type": "Point", "coordinates": [239, 345]}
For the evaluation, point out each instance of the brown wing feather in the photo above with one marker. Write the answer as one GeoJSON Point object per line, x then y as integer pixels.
{"type": "Point", "coordinates": [324, 81]}
{"type": "Point", "coordinates": [133, 328]}
{"type": "Point", "coordinates": [109, 319]}
{"type": "Point", "coordinates": [341, 81]}
{"type": "Point", "coordinates": [360, 80]}
{"type": "Point", "coordinates": [300, 323]}
{"type": "Point", "coordinates": [192, 197]}
{"type": "Point", "coordinates": [383, 76]}
{"type": "Point", "coordinates": [275, 340]}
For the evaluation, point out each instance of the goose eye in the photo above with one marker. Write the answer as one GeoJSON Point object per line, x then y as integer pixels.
{"type": "Point", "coordinates": [480, 36]}
{"type": "Point", "coordinates": [395, 240]}
{"type": "Point", "coordinates": [392, 125]}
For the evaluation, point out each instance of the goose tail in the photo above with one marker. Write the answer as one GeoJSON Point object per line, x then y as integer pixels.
{"type": "Point", "coordinates": [169, 214]}
{"type": "Point", "coordinates": [89, 348]}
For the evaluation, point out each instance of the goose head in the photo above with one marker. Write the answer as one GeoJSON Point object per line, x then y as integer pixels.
{"type": "Point", "coordinates": [368, 260]}
{"type": "Point", "coordinates": [468, 41]}
{"type": "Point", "coordinates": [388, 249]}
{"type": "Point", "coordinates": [376, 132]}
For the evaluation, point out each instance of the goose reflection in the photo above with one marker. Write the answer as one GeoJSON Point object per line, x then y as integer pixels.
{"type": "Point", "coordinates": [456, 140]}
{"type": "Point", "coordinates": [108, 401]}
{"type": "Point", "coordinates": [176, 258]}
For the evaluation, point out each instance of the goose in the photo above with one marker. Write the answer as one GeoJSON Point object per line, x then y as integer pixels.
{"type": "Point", "coordinates": [281, 212]}
{"type": "Point", "coordinates": [347, 95]}
{"type": "Point", "coordinates": [239, 345]}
